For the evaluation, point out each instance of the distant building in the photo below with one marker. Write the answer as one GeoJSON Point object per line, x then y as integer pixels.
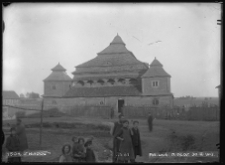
{"type": "Point", "coordinates": [114, 78]}
{"type": "Point", "coordinates": [10, 98]}
{"type": "Point", "coordinates": [57, 83]}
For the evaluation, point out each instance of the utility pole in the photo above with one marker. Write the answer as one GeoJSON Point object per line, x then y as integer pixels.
{"type": "Point", "coordinates": [42, 107]}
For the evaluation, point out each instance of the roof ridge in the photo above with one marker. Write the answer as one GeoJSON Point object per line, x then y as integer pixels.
{"type": "Point", "coordinates": [58, 67]}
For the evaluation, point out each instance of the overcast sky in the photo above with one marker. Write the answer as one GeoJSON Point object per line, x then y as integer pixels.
{"type": "Point", "coordinates": [39, 36]}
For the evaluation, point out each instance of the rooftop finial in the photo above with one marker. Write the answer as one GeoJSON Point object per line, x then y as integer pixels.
{"type": "Point", "coordinates": [117, 34]}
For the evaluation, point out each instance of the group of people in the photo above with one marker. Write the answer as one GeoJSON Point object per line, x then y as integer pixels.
{"type": "Point", "coordinates": [80, 151]}
{"type": "Point", "coordinates": [126, 143]}
{"type": "Point", "coordinates": [16, 141]}
{"type": "Point", "coordinates": [126, 140]}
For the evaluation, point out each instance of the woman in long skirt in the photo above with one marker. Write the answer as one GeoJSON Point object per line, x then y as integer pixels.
{"type": "Point", "coordinates": [126, 152]}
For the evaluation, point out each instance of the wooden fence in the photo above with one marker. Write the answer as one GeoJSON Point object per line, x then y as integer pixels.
{"type": "Point", "coordinates": [193, 113]}
{"type": "Point", "coordinates": [90, 111]}
{"type": "Point", "coordinates": [204, 113]}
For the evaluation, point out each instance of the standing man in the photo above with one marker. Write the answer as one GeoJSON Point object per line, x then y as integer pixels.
{"type": "Point", "coordinates": [150, 119]}
{"type": "Point", "coordinates": [116, 142]}
{"type": "Point", "coordinates": [21, 132]}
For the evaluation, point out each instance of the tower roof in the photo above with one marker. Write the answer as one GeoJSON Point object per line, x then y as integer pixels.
{"type": "Point", "coordinates": [117, 40]}
{"type": "Point", "coordinates": [58, 74]}
{"type": "Point", "coordinates": [117, 46]}
{"type": "Point", "coordinates": [155, 70]}
{"type": "Point", "coordinates": [155, 62]}
{"type": "Point", "coordinates": [116, 54]}
{"type": "Point", "coordinates": [58, 67]}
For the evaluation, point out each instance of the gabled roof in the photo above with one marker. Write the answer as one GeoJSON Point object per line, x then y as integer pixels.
{"type": "Point", "coordinates": [103, 91]}
{"type": "Point", "coordinates": [59, 68]}
{"type": "Point", "coordinates": [155, 70]}
{"type": "Point", "coordinates": [9, 95]}
{"type": "Point", "coordinates": [58, 74]}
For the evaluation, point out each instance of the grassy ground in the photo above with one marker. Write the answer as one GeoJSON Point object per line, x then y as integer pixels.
{"type": "Point", "coordinates": [167, 136]}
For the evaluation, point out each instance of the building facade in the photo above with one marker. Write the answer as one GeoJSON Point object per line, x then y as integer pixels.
{"type": "Point", "coordinates": [10, 98]}
{"type": "Point", "coordinates": [114, 78]}
{"type": "Point", "coordinates": [57, 83]}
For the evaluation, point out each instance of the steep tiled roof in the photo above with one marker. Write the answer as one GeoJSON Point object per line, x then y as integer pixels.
{"type": "Point", "coordinates": [58, 68]}
{"type": "Point", "coordinates": [9, 95]}
{"type": "Point", "coordinates": [58, 74]}
{"type": "Point", "coordinates": [103, 91]}
{"type": "Point", "coordinates": [156, 70]}
{"type": "Point", "coordinates": [116, 54]}
{"type": "Point", "coordinates": [156, 63]}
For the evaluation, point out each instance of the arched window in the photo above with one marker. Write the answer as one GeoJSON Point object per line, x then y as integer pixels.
{"type": "Point", "coordinates": [133, 81]}
{"type": "Point", "coordinates": [81, 83]}
{"type": "Point", "coordinates": [100, 81]}
{"type": "Point", "coordinates": [90, 82]}
{"type": "Point", "coordinates": [111, 81]}
{"type": "Point", "coordinates": [155, 101]}
{"type": "Point", "coordinates": [121, 80]}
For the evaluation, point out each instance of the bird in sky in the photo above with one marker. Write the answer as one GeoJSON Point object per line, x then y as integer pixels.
{"type": "Point", "coordinates": [136, 38]}
{"type": "Point", "coordinates": [154, 42]}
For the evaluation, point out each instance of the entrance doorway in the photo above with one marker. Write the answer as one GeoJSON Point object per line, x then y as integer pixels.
{"type": "Point", "coordinates": [120, 106]}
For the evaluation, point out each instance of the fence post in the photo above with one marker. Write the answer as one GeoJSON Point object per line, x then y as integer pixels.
{"type": "Point", "coordinates": [42, 107]}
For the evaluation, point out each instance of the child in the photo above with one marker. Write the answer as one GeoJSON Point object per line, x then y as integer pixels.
{"type": "Point", "coordinates": [13, 145]}
{"type": "Point", "coordinates": [90, 156]}
{"type": "Point", "coordinates": [66, 154]}
{"type": "Point", "coordinates": [74, 149]}
{"type": "Point", "coordinates": [79, 152]}
{"type": "Point", "coordinates": [136, 139]}
{"type": "Point", "coordinates": [126, 152]}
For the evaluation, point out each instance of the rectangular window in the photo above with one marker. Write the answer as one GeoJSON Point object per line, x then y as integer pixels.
{"type": "Point", "coordinates": [155, 83]}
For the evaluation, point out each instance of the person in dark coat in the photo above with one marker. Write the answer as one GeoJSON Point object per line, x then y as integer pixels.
{"type": "Point", "coordinates": [136, 139]}
{"type": "Point", "coordinates": [126, 152]}
{"type": "Point", "coordinates": [21, 132]}
{"type": "Point", "coordinates": [74, 148]}
{"type": "Point", "coordinates": [150, 120]}
{"type": "Point", "coordinates": [13, 145]}
{"type": "Point", "coordinates": [90, 155]}
{"type": "Point", "coordinates": [116, 128]}
{"type": "Point", "coordinates": [80, 152]}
